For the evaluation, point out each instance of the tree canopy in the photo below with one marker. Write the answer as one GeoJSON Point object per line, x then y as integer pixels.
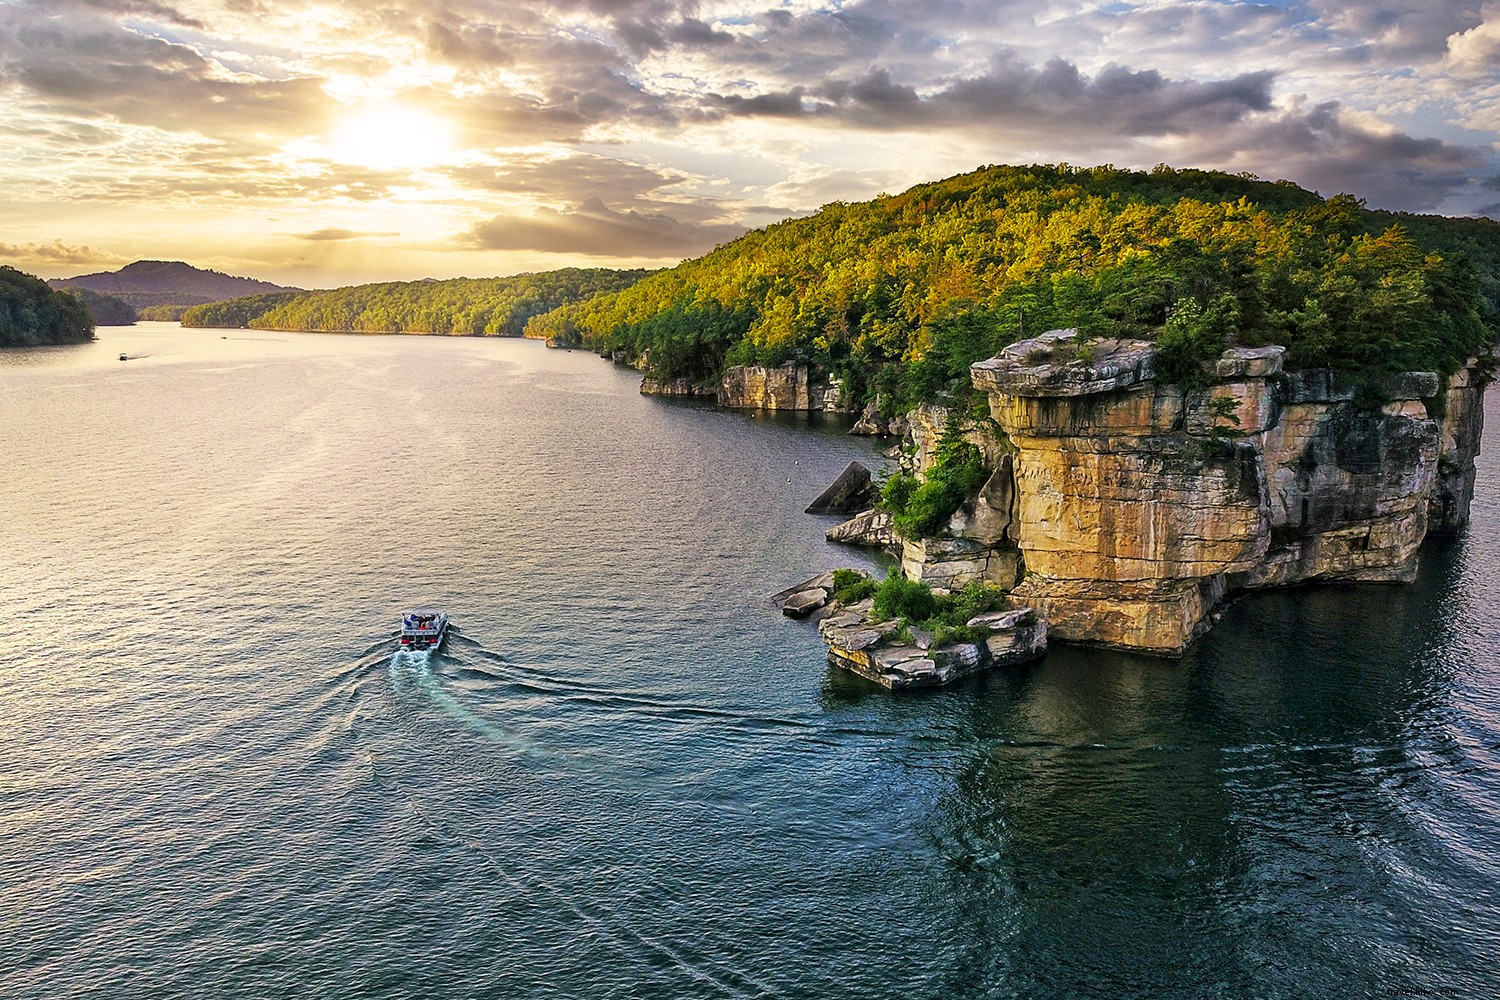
{"type": "Point", "coordinates": [106, 310]}
{"type": "Point", "coordinates": [902, 293]}
{"type": "Point", "coordinates": [32, 314]}
{"type": "Point", "coordinates": [459, 306]}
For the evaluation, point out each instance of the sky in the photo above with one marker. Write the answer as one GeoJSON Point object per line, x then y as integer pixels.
{"type": "Point", "coordinates": [330, 142]}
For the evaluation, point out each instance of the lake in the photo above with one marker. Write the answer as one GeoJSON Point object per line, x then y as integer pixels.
{"type": "Point", "coordinates": [628, 776]}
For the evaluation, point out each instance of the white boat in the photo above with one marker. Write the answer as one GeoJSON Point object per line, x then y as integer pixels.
{"type": "Point", "coordinates": [423, 630]}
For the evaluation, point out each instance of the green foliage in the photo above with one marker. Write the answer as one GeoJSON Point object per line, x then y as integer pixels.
{"type": "Point", "coordinates": [946, 616]}
{"type": "Point", "coordinates": [104, 310]}
{"type": "Point", "coordinates": [947, 635]}
{"type": "Point", "coordinates": [920, 509]}
{"type": "Point", "coordinates": [899, 295]}
{"type": "Point", "coordinates": [162, 314]}
{"type": "Point", "coordinates": [1195, 335]}
{"type": "Point", "coordinates": [973, 599]}
{"type": "Point", "coordinates": [232, 314]}
{"type": "Point", "coordinates": [32, 313]}
{"type": "Point", "coordinates": [847, 577]}
{"type": "Point", "coordinates": [1223, 408]}
{"type": "Point", "coordinates": [896, 493]}
{"type": "Point", "coordinates": [851, 586]}
{"type": "Point", "coordinates": [898, 597]}
{"type": "Point", "coordinates": [460, 306]}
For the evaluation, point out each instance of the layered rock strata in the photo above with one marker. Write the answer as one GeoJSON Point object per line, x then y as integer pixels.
{"type": "Point", "coordinates": [787, 387]}
{"type": "Point", "coordinates": [653, 386]}
{"type": "Point", "coordinates": [870, 528]}
{"type": "Point", "coordinates": [879, 651]}
{"type": "Point", "coordinates": [1136, 506]}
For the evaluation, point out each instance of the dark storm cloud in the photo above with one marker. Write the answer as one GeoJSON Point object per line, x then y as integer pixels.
{"type": "Point", "coordinates": [593, 229]}
{"type": "Point", "coordinates": [1321, 148]}
{"type": "Point", "coordinates": [1013, 94]}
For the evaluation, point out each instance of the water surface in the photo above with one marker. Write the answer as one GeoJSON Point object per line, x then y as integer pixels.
{"type": "Point", "coordinates": [628, 776]}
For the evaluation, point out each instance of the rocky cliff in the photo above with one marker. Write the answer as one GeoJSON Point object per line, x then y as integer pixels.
{"type": "Point", "coordinates": [1124, 510]}
{"type": "Point", "coordinates": [787, 387]}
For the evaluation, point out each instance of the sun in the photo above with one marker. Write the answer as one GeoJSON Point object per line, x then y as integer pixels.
{"type": "Point", "coordinates": [390, 136]}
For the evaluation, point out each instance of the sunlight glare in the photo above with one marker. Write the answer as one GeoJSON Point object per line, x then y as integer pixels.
{"type": "Point", "coordinates": [390, 136]}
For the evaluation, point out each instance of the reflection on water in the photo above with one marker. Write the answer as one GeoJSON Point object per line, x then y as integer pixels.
{"type": "Point", "coordinates": [628, 776]}
{"type": "Point", "coordinates": [1274, 815]}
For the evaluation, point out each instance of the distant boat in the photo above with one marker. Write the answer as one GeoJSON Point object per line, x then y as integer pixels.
{"type": "Point", "coordinates": [124, 356]}
{"type": "Point", "coordinates": [423, 630]}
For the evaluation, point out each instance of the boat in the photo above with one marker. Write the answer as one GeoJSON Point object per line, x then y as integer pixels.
{"type": "Point", "coordinates": [423, 630]}
{"type": "Point", "coordinates": [124, 357]}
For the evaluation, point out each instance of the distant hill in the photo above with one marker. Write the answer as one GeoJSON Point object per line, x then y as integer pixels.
{"type": "Point", "coordinates": [149, 283]}
{"type": "Point", "coordinates": [107, 310]}
{"type": "Point", "coordinates": [456, 307]}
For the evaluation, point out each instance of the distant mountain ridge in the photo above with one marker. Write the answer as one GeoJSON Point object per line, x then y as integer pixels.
{"type": "Point", "coordinates": [148, 283]}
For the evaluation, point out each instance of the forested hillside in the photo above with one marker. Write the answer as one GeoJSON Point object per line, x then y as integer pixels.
{"type": "Point", "coordinates": [105, 310]}
{"type": "Point", "coordinates": [31, 313]}
{"type": "Point", "coordinates": [464, 306]}
{"type": "Point", "coordinates": [900, 294]}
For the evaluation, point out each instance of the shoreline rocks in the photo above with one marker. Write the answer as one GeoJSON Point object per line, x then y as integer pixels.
{"type": "Point", "coordinates": [879, 651]}
{"type": "Point", "coordinates": [870, 528]}
{"type": "Point", "coordinates": [849, 493]}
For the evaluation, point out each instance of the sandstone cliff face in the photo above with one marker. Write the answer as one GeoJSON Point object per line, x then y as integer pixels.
{"type": "Point", "coordinates": [1135, 507]}
{"type": "Point", "coordinates": [652, 386]}
{"type": "Point", "coordinates": [788, 387]}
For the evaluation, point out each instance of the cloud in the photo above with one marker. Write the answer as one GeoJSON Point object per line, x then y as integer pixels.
{"type": "Point", "coordinates": [650, 127]}
{"type": "Point", "coordinates": [595, 230]}
{"type": "Point", "coordinates": [334, 235]}
{"type": "Point", "coordinates": [1012, 94]}
{"type": "Point", "coordinates": [1394, 30]}
{"type": "Point", "coordinates": [57, 252]}
{"type": "Point", "coordinates": [149, 9]}
{"type": "Point", "coordinates": [1331, 150]}
{"type": "Point", "coordinates": [93, 68]}
{"type": "Point", "coordinates": [1476, 52]}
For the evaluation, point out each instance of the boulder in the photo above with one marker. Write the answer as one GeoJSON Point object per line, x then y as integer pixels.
{"type": "Point", "coordinates": [871, 527]}
{"type": "Point", "coordinates": [823, 582]}
{"type": "Point", "coordinates": [850, 492]}
{"type": "Point", "coordinates": [804, 602]}
{"type": "Point", "coordinates": [869, 423]}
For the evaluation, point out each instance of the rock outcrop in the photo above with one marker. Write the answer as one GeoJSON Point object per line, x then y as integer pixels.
{"type": "Point", "coordinates": [805, 598]}
{"type": "Point", "coordinates": [788, 387]}
{"type": "Point", "coordinates": [1136, 506]}
{"type": "Point", "coordinates": [879, 651]}
{"type": "Point", "coordinates": [871, 528]}
{"type": "Point", "coordinates": [850, 492]}
{"type": "Point", "coordinates": [652, 386]}
{"type": "Point", "coordinates": [872, 424]}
